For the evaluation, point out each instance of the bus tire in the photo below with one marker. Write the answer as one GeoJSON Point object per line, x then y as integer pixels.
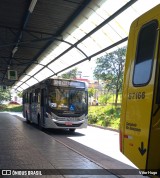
{"type": "Point", "coordinates": [72, 130]}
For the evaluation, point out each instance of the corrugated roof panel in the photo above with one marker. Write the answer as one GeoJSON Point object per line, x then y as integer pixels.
{"type": "Point", "coordinates": [142, 6]}
{"type": "Point", "coordinates": [89, 46]}
{"type": "Point", "coordinates": [47, 59]}
{"type": "Point", "coordinates": [79, 33]}
{"type": "Point", "coordinates": [94, 14]}
{"type": "Point", "coordinates": [25, 78]}
{"type": "Point", "coordinates": [95, 19]}
{"type": "Point", "coordinates": [24, 86]}
{"type": "Point", "coordinates": [102, 38]}
{"type": "Point", "coordinates": [43, 74]}
{"type": "Point", "coordinates": [66, 60]}
{"type": "Point", "coordinates": [63, 46]}
{"type": "Point", "coordinates": [57, 49]}
{"type": "Point", "coordinates": [31, 81]}
{"type": "Point", "coordinates": [11, 12]}
{"type": "Point", "coordinates": [56, 66]}
{"type": "Point", "coordinates": [46, 12]}
{"type": "Point", "coordinates": [74, 55]}
{"type": "Point", "coordinates": [35, 69]}
{"type": "Point", "coordinates": [125, 20]}
{"type": "Point", "coordinates": [111, 6]}
{"type": "Point", "coordinates": [26, 34]}
{"type": "Point", "coordinates": [114, 24]}
{"type": "Point", "coordinates": [72, 39]}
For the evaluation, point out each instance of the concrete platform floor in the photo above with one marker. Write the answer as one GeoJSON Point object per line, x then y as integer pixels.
{"type": "Point", "coordinates": [23, 147]}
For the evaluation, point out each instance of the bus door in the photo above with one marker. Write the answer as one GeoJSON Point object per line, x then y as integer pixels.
{"type": "Point", "coordinates": [34, 107]}
{"type": "Point", "coordinates": [24, 101]}
{"type": "Point", "coordinates": [153, 159]}
{"type": "Point", "coordinates": [30, 106]}
{"type": "Point", "coordinates": [140, 131]}
{"type": "Point", "coordinates": [38, 101]}
{"type": "Point", "coordinates": [43, 105]}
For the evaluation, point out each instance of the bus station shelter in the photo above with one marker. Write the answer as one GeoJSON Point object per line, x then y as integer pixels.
{"type": "Point", "coordinates": [45, 38]}
{"type": "Point", "coordinates": [41, 39]}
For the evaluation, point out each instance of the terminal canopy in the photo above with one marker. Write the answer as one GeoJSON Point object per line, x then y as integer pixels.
{"type": "Point", "coordinates": [41, 39]}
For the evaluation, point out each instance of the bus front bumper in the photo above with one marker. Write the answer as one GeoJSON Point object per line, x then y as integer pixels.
{"type": "Point", "coordinates": [53, 123]}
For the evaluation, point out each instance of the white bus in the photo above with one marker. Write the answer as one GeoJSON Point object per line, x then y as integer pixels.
{"type": "Point", "coordinates": [57, 103]}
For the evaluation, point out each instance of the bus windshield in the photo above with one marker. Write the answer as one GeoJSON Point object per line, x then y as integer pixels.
{"type": "Point", "coordinates": [73, 100]}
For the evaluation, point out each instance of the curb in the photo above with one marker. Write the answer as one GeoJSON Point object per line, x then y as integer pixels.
{"type": "Point", "coordinates": [105, 128]}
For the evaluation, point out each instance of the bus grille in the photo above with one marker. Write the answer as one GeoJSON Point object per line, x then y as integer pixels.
{"type": "Point", "coordinates": [73, 125]}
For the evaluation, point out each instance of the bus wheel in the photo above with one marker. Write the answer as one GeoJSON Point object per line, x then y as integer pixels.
{"type": "Point", "coordinates": [72, 130]}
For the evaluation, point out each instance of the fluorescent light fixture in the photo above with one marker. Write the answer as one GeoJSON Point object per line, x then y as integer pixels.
{"type": "Point", "coordinates": [14, 50]}
{"type": "Point", "coordinates": [32, 5]}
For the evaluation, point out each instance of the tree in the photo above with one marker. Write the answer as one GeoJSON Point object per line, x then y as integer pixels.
{"type": "Point", "coordinates": [5, 95]}
{"type": "Point", "coordinates": [103, 99]}
{"type": "Point", "coordinates": [110, 70]}
{"type": "Point", "coordinates": [91, 92]}
{"type": "Point", "coordinates": [20, 94]}
{"type": "Point", "coordinates": [70, 74]}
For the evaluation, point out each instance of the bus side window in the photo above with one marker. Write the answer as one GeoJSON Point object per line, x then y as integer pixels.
{"type": "Point", "coordinates": [145, 54]}
{"type": "Point", "coordinates": [38, 98]}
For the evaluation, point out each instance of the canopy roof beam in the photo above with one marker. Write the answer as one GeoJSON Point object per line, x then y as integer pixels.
{"type": "Point", "coordinates": [83, 60]}
{"type": "Point", "coordinates": [123, 8]}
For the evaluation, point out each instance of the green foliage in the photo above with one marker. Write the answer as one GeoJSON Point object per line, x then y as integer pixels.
{"type": "Point", "coordinates": [5, 95]}
{"type": "Point", "coordinates": [110, 70]}
{"type": "Point", "coordinates": [106, 116]}
{"type": "Point", "coordinates": [20, 94]}
{"type": "Point", "coordinates": [70, 74]}
{"type": "Point", "coordinates": [91, 92]}
{"type": "Point", "coordinates": [112, 98]}
{"type": "Point", "coordinates": [11, 108]}
{"type": "Point", "coordinates": [103, 99]}
{"type": "Point", "coordinates": [2, 107]}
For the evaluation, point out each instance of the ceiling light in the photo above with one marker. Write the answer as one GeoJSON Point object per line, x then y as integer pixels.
{"type": "Point", "coordinates": [32, 5]}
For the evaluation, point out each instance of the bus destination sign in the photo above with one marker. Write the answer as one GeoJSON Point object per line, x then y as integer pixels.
{"type": "Point", "coordinates": [66, 83]}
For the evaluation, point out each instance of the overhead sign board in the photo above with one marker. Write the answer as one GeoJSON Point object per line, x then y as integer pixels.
{"type": "Point", "coordinates": [12, 74]}
{"type": "Point", "coordinates": [67, 83]}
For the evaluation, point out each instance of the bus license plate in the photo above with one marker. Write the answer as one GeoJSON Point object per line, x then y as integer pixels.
{"type": "Point", "coordinates": [68, 123]}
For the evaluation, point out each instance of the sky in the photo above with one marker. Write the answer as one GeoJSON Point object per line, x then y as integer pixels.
{"type": "Point", "coordinates": [87, 69]}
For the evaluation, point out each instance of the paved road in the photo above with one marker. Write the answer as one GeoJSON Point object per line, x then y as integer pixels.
{"type": "Point", "coordinates": [102, 140]}
{"type": "Point", "coordinates": [99, 145]}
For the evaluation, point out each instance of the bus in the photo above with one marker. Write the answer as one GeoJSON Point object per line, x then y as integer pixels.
{"type": "Point", "coordinates": [57, 103]}
{"type": "Point", "coordinates": [140, 115]}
